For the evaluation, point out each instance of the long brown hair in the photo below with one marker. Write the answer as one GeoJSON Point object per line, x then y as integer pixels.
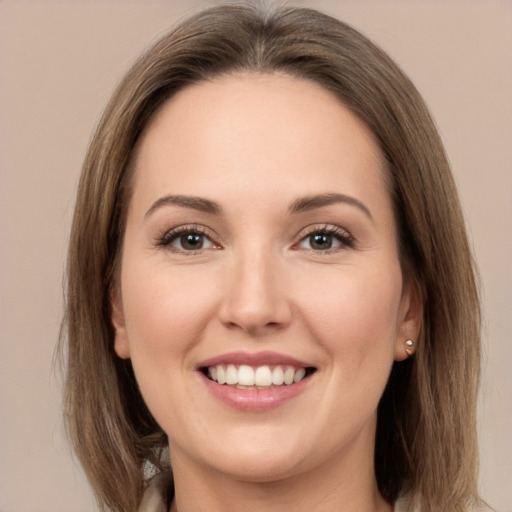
{"type": "Point", "coordinates": [426, 434]}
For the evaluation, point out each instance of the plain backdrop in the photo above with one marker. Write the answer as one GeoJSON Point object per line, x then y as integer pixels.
{"type": "Point", "coordinates": [59, 61]}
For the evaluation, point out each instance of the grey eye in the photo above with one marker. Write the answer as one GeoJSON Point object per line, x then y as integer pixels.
{"type": "Point", "coordinates": [321, 241]}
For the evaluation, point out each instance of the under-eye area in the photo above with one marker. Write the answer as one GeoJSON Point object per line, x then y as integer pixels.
{"type": "Point", "coordinates": [265, 376]}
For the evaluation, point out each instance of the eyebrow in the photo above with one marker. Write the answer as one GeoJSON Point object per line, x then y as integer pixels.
{"type": "Point", "coordinates": [195, 203]}
{"type": "Point", "coordinates": [312, 202]}
{"type": "Point", "coordinates": [300, 205]}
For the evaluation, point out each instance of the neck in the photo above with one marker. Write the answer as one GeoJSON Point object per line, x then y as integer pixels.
{"type": "Point", "coordinates": [348, 486]}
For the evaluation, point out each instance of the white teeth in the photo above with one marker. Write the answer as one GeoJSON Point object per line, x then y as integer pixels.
{"type": "Point", "coordinates": [299, 375]}
{"type": "Point", "coordinates": [261, 376]}
{"type": "Point", "coordinates": [231, 374]}
{"type": "Point", "coordinates": [288, 375]}
{"type": "Point", "coordinates": [245, 376]}
{"type": "Point", "coordinates": [221, 375]}
{"type": "Point", "coordinates": [277, 376]}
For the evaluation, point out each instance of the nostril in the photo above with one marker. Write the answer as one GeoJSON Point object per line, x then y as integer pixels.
{"type": "Point", "coordinates": [253, 327]}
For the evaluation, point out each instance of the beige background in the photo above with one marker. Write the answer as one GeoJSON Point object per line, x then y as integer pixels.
{"type": "Point", "coordinates": [59, 62]}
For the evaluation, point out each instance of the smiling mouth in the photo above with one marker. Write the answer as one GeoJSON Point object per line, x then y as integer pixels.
{"type": "Point", "coordinates": [256, 377]}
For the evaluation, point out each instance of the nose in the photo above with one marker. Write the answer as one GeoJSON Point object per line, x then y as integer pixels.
{"type": "Point", "coordinates": [255, 300]}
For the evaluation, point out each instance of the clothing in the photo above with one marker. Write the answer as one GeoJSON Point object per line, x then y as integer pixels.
{"type": "Point", "coordinates": [402, 504]}
{"type": "Point", "coordinates": [155, 497]}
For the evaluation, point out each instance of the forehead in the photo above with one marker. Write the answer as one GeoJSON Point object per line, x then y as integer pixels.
{"type": "Point", "coordinates": [275, 127]}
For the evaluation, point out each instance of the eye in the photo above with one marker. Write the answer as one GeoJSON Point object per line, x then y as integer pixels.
{"type": "Point", "coordinates": [320, 242]}
{"type": "Point", "coordinates": [328, 238]}
{"type": "Point", "coordinates": [191, 242]}
{"type": "Point", "coordinates": [187, 239]}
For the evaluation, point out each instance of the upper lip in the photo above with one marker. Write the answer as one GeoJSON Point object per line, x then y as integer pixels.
{"type": "Point", "coordinates": [253, 359]}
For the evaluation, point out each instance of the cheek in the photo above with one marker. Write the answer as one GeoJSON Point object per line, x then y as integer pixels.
{"type": "Point", "coordinates": [354, 315]}
{"type": "Point", "coordinates": [166, 312]}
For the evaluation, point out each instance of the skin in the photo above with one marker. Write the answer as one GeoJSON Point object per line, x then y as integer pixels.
{"type": "Point", "coordinates": [255, 144]}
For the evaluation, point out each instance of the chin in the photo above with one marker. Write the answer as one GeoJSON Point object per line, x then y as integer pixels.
{"type": "Point", "coordinates": [263, 453]}
{"type": "Point", "coordinates": [259, 468]}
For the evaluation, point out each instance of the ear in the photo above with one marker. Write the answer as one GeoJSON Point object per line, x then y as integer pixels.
{"type": "Point", "coordinates": [121, 345]}
{"type": "Point", "coordinates": [410, 318]}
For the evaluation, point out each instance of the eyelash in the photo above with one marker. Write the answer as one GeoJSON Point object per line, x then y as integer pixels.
{"type": "Point", "coordinates": [345, 239]}
{"type": "Point", "coordinates": [167, 238]}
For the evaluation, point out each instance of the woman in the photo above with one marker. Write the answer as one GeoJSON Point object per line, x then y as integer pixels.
{"type": "Point", "coordinates": [269, 281]}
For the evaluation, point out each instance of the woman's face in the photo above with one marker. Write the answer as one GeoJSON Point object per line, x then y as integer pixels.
{"type": "Point", "coordinates": [260, 247]}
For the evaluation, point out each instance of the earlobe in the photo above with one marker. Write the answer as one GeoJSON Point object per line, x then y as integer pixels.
{"type": "Point", "coordinates": [121, 345]}
{"type": "Point", "coordinates": [410, 320]}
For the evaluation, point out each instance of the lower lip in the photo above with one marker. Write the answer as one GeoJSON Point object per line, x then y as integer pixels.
{"type": "Point", "coordinates": [255, 400]}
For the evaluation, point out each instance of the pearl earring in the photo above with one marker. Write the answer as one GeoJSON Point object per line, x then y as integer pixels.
{"type": "Point", "coordinates": [409, 347]}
